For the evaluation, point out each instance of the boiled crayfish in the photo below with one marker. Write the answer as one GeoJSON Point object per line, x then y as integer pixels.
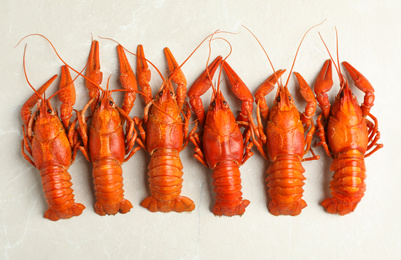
{"type": "Point", "coordinates": [166, 135]}
{"type": "Point", "coordinates": [221, 144]}
{"type": "Point", "coordinates": [287, 139]}
{"type": "Point", "coordinates": [348, 136]}
{"type": "Point", "coordinates": [53, 146]}
{"type": "Point", "coordinates": [107, 144]}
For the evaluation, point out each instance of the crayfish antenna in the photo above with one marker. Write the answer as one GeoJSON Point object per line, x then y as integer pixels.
{"type": "Point", "coordinates": [296, 53]}
{"type": "Point", "coordinates": [61, 59]}
{"type": "Point", "coordinates": [264, 50]}
{"type": "Point", "coordinates": [337, 67]}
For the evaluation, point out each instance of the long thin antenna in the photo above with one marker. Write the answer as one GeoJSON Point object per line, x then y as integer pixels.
{"type": "Point", "coordinates": [271, 64]}
{"type": "Point", "coordinates": [296, 54]}
{"type": "Point", "coordinates": [208, 59]}
{"type": "Point", "coordinates": [338, 59]}
{"type": "Point", "coordinates": [331, 57]}
{"type": "Point", "coordinates": [228, 55]}
{"type": "Point", "coordinates": [26, 76]}
{"type": "Point", "coordinates": [210, 35]}
{"type": "Point", "coordinates": [55, 50]}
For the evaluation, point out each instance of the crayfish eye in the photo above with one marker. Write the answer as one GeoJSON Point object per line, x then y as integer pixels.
{"type": "Point", "coordinates": [213, 103]}
{"type": "Point", "coordinates": [289, 98]}
{"type": "Point", "coordinates": [49, 111]}
{"type": "Point", "coordinates": [111, 103]}
{"type": "Point", "coordinates": [171, 93]}
{"type": "Point", "coordinates": [278, 99]}
{"type": "Point", "coordinates": [342, 94]}
{"type": "Point", "coordinates": [225, 102]}
{"type": "Point", "coordinates": [100, 102]}
{"type": "Point", "coordinates": [160, 93]}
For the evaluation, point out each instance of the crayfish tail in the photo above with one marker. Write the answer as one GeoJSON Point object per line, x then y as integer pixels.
{"type": "Point", "coordinates": [292, 210]}
{"type": "Point", "coordinates": [150, 203]}
{"type": "Point", "coordinates": [123, 207]}
{"type": "Point", "coordinates": [165, 182]}
{"type": "Point", "coordinates": [218, 210]}
{"type": "Point", "coordinates": [109, 192]}
{"type": "Point", "coordinates": [348, 183]}
{"type": "Point", "coordinates": [179, 204]}
{"type": "Point", "coordinates": [59, 195]}
{"type": "Point", "coordinates": [285, 181]}
{"type": "Point", "coordinates": [99, 209]}
{"type": "Point", "coordinates": [227, 186]}
{"type": "Point", "coordinates": [50, 214]}
{"type": "Point", "coordinates": [334, 206]}
{"type": "Point", "coordinates": [77, 209]}
{"type": "Point", "coordinates": [182, 204]}
{"type": "Point", "coordinates": [74, 210]}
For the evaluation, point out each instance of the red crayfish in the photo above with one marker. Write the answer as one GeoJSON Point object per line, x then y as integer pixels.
{"type": "Point", "coordinates": [287, 139]}
{"type": "Point", "coordinates": [166, 135]}
{"type": "Point", "coordinates": [52, 144]}
{"type": "Point", "coordinates": [348, 136]}
{"type": "Point", "coordinates": [286, 143]}
{"type": "Point", "coordinates": [107, 144]}
{"type": "Point", "coordinates": [221, 144]}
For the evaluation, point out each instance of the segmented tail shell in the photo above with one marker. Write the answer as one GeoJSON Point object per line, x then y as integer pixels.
{"type": "Point", "coordinates": [108, 182]}
{"type": "Point", "coordinates": [227, 185]}
{"type": "Point", "coordinates": [59, 195]}
{"type": "Point", "coordinates": [347, 186]}
{"type": "Point", "coordinates": [285, 181]}
{"type": "Point", "coordinates": [165, 183]}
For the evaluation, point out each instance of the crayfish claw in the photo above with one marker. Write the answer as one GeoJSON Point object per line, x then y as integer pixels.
{"type": "Point", "coordinates": [128, 81]}
{"type": "Point", "coordinates": [239, 88]}
{"type": "Point", "coordinates": [200, 86]}
{"type": "Point", "coordinates": [323, 84]}
{"type": "Point", "coordinates": [364, 85]}
{"type": "Point", "coordinates": [360, 81]}
{"type": "Point", "coordinates": [32, 101]}
{"type": "Point", "coordinates": [93, 74]}
{"type": "Point", "coordinates": [143, 73]}
{"type": "Point", "coordinates": [67, 96]}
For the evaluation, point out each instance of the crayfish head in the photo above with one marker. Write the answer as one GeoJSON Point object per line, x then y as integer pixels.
{"type": "Point", "coordinates": [346, 108]}
{"type": "Point", "coordinates": [166, 92]}
{"type": "Point", "coordinates": [47, 124]}
{"type": "Point", "coordinates": [284, 112]}
{"type": "Point", "coordinates": [106, 117]}
{"type": "Point", "coordinates": [45, 110]}
{"type": "Point", "coordinates": [219, 103]}
{"type": "Point", "coordinates": [283, 100]}
{"type": "Point", "coordinates": [219, 116]}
